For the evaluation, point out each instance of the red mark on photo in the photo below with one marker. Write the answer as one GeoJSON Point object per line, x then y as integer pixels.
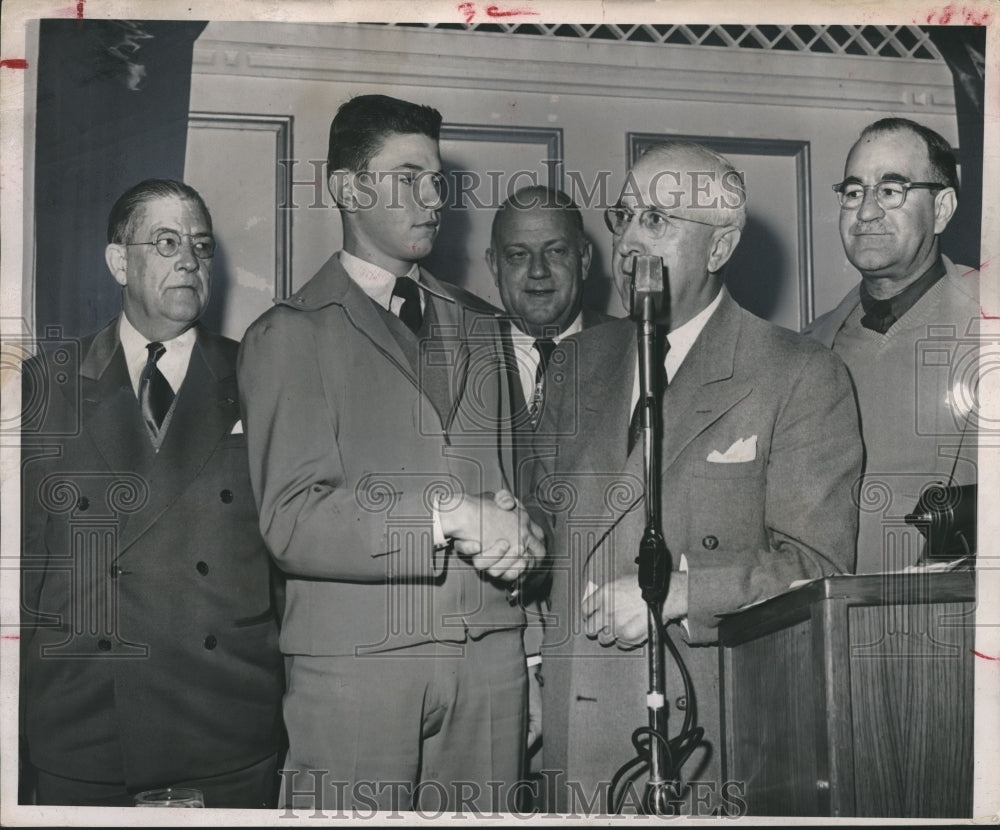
{"type": "Point", "coordinates": [961, 14]}
{"type": "Point", "coordinates": [984, 656]}
{"type": "Point", "coordinates": [985, 316]}
{"type": "Point", "coordinates": [79, 9]}
{"type": "Point", "coordinates": [469, 10]}
{"type": "Point", "coordinates": [496, 11]}
{"type": "Point", "coordinates": [14, 63]}
{"type": "Point", "coordinates": [10, 636]}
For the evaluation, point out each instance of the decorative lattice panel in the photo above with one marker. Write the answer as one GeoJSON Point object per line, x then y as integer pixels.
{"type": "Point", "coordinates": [871, 41]}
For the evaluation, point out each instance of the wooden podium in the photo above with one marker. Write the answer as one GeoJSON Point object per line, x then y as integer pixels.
{"type": "Point", "coordinates": [853, 696]}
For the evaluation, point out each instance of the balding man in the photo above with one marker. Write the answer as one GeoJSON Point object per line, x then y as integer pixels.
{"type": "Point", "coordinates": [539, 256]}
{"type": "Point", "coordinates": [760, 447]}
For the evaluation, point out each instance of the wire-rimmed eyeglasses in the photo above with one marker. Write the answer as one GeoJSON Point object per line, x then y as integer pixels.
{"type": "Point", "coordinates": [888, 194]}
{"type": "Point", "coordinates": [168, 244]}
{"type": "Point", "coordinates": [654, 222]}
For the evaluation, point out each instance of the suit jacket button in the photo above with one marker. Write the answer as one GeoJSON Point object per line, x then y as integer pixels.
{"type": "Point", "coordinates": [681, 703]}
{"type": "Point", "coordinates": [226, 496]}
{"type": "Point", "coordinates": [104, 645]}
{"type": "Point", "coordinates": [710, 543]}
{"type": "Point", "coordinates": [83, 503]}
{"type": "Point", "coordinates": [211, 642]}
{"type": "Point", "coordinates": [202, 568]}
{"type": "Point", "coordinates": [115, 572]}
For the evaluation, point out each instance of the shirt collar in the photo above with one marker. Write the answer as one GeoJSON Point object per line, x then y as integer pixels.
{"type": "Point", "coordinates": [682, 338]}
{"type": "Point", "coordinates": [174, 362]}
{"type": "Point", "coordinates": [525, 341]}
{"type": "Point", "coordinates": [374, 280]}
{"type": "Point", "coordinates": [900, 303]}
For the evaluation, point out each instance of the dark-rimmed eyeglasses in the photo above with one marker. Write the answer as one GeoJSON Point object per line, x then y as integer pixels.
{"type": "Point", "coordinates": [168, 244]}
{"type": "Point", "coordinates": [888, 194]}
{"type": "Point", "coordinates": [654, 222]}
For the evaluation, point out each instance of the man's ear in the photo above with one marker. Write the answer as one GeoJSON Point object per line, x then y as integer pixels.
{"type": "Point", "coordinates": [491, 261]}
{"type": "Point", "coordinates": [586, 251]}
{"type": "Point", "coordinates": [341, 184]}
{"type": "Point", "coordinates": [724, 243]}
{"type": "Point", "coordinates": [945, 205]}
{"type": "Point", "coordinates": [115, 255]}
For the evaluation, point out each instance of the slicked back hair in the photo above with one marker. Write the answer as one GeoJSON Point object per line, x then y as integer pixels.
{"type": "Point", "coordinates": [127, 211]}
{"type": "Point", "coordinates": [361, 126]}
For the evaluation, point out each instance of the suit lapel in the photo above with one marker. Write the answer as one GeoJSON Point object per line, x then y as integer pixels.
{"type": "Point", "coordinates": [826, 332]}
{"type": "Point", "coordinates": [109, 410]}
{"type": "Point", "coordinates": [706, 386]}
{"type": "Point", "coordinates": [606, 378]}
{"type": "Point", "coordinates": [206, 410]}
{"type": "Point", "coordinates": [454, 331]}
{"type": "Point", "coordinates": [332, 284]}
{"type": "Point", "coordinates": [704, 389]}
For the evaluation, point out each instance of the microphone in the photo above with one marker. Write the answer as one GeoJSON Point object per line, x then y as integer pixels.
{"type": "Point", "coordinates": [646, 292]}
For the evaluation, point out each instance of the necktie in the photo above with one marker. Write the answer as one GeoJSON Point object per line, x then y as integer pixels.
{"type": "Point", "coordinates": [155, 394]}
{"type": "Point", "coordinates": [409, 312]}
{"type": "Point", "coordinates": [878, 316]}
{"type": "Point", "coordinates": [544, 346]}
{"type": "Point", "coordinates": [635, 424]}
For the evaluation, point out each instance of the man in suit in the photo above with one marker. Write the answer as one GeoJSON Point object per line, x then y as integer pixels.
{"type": "Point", "coordinates": [150, 642]}
{"type": "Point", "coordinates": [907, 332]}
{"type": "Point", "coordinates": [759, 448]}
{"type": "Point", "coordinates": [374, 398]}
{"type": "Point", "coordinates": [539, 257]}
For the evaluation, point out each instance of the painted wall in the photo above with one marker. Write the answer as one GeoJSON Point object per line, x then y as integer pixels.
{"type": "Point", "coordinates": [594, 92]}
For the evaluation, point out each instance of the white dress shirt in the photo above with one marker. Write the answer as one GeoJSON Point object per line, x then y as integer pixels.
{"type": "Point", "coordinates": [681, 340]}
{"type": "Point", "coordinates": [173, 364]}
{"type": "Point", "coordinates": [378, 283]}
{"type": "Point", "coordinates": [527, 355]}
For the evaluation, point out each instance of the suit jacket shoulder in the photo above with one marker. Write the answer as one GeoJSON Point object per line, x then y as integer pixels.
{"type": "Point", "coordinates": [593, 318]}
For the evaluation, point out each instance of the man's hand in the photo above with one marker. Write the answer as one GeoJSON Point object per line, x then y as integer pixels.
{"type": "Point", "coordinates": [495, 534]}
{"type": "Point", "coordinates": [616, 612]}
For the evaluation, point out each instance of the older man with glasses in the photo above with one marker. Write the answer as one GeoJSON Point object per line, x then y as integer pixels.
{"type": "Point", "coordinates": [907, 332]}
{"type": "Point", "coordinates": [149, 636]}
{"type": "Point", "coordinates": [759, 449]}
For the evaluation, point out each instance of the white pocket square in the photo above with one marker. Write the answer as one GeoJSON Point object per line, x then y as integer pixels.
{"type": "Point", "coordinates": [742, 450]}
{"type": "Point", "coordinates": [237, 428]}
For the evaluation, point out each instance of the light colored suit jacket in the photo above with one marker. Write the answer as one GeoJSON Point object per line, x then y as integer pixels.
{"type": "Point", "coordinates": [150, 641]}
{"type": "Point", "coordinates": [747, 529]}
{"type": "Point", "coordinates": [348, 456]}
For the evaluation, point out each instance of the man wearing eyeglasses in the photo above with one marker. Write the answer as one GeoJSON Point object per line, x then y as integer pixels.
{"type": "Point", "coordinates": [906, 332]}
{"type": "Point", "coordinates": [150, 641]}
{"type": "Point", "coordinates": [759, 448]}
{"type": "Point", "coordinates": [539, 256]}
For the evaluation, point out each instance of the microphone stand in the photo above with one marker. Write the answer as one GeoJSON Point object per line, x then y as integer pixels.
{"type": "Point", "coordinates": [648, 299]}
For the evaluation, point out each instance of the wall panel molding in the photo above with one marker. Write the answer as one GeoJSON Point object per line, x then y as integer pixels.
{"type": "Point", "coordinates": [281, 127]}
{"type": "Point", "coordinates": [427, 57]}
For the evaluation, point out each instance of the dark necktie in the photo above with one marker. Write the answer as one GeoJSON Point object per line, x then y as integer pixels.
{"type": "Point", "coordinates": [155, 394]}
{"type": "Point", "coordinates": [878, 316]}
{"type": "Point", "coordinates": [635, 424]}
{"type": "Point", "coordinates": [544, 346]}
{"type": "Point", "coordinates": [409, 312]}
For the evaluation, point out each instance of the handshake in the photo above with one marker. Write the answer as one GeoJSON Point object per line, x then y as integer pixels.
{"type": "Point", "coordinates": [495, 534]}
